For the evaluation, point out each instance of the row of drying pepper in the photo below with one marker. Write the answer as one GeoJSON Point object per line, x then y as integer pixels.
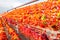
{"type": "Point", "coordinates": [44, 14]}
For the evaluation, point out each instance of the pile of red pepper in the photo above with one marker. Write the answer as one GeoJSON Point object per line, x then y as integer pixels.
{"type": "Point", "coordinates": [30, 19]}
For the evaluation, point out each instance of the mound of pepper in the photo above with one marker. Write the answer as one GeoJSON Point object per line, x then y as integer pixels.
{"type": "Point", "coordinates": [32, 21]}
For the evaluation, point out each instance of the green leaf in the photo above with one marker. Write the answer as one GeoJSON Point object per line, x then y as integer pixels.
{"type": "Point", "coordinates": [43, 17]}
{"type": "Point", "coordinates": [58, 15]}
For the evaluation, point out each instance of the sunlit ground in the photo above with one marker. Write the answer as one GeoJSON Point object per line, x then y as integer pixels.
{"type": "Point", "coordinates": [9, 4]}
